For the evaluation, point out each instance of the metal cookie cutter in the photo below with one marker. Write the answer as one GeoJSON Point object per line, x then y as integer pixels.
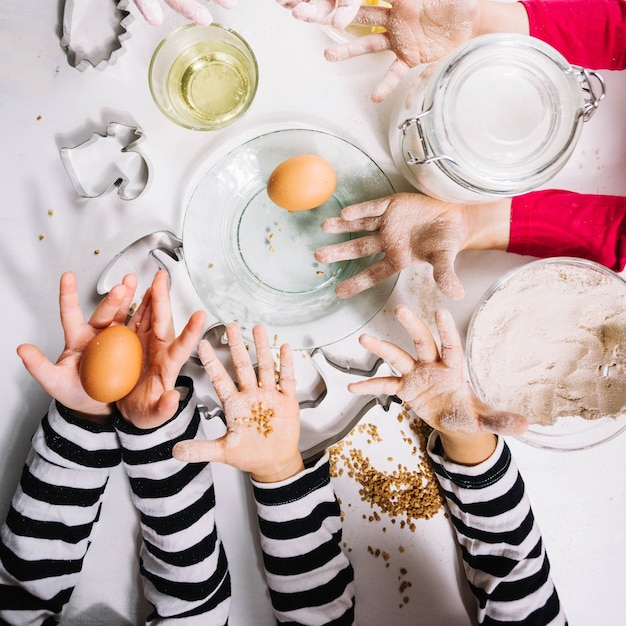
{"type": "Point", "coordinates": [108, 160]}
{"type": "Point", "coordinates": [94, 32]}
{"type": "Point", "coordinates": [344, 410]}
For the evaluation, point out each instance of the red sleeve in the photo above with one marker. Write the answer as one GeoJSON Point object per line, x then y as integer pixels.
{"type": "Point", "coordinates": [564, 223]}
{"type": "Point", "coordinates": [590, 33]}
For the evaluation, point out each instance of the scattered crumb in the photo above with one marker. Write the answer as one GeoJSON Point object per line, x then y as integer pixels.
{"type": "Point", "coordinates": [50, 212]}
{"type": "Point", "coordinates": [42, 237]}
{"type": "Point", "coordinates": [39, 118]}
{"type": "Point", "coordinates": [96, 251]}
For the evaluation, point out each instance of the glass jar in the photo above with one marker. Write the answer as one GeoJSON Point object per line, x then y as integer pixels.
{"type": "Point", "coordinates": [499, 116]}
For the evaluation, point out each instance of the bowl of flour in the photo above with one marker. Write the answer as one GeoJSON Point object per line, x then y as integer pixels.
{"type": "Point", "coordinates": [548, 340]}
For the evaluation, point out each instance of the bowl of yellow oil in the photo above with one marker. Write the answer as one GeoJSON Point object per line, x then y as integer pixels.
{"type": "Point", "coordinates": [203, 77]}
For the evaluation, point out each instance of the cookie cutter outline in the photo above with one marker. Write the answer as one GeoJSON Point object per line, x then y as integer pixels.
{"type": "Point", "coordinates": [113, 130]}
{"type": "Point", "coordinates": [79, 59]}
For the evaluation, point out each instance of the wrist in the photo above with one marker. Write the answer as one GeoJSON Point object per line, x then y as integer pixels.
{"type": "Point", "coordinates": [104, 416]}
{"type": "Point", "coordinates": [487, 225]}
{"type": "Point", "coordinates": [501, 17]}
{"type": "Point", "coordinates": [276, 474]}
{"type": "Point", "coordinates": [468, 449]}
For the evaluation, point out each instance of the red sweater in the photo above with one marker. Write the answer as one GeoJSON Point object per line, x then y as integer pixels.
{"type": "Point", "coordinates": [590, 33]}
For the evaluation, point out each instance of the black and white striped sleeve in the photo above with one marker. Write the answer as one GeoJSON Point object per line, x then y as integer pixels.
{"type": "Point", "coordinates": [309, 577]}
{"type": "Point", "coordinates": [503, 553]}
{"type": "Point", "coordinates": [182, 558]}
{"type": "Point", "coordinates": [48, 527]}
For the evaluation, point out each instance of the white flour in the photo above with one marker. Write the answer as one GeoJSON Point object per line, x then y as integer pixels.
{"type": "Point", "coordinates": [552, 343]}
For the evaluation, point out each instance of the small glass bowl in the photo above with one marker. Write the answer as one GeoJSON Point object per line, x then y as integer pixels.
{"type": "Point", "coordinates": [203, 77]}
{"type": "Point", "coordinates": [504, 358]}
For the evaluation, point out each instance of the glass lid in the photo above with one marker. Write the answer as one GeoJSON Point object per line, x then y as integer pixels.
{"type": "Point", "coordinates": [507, 111]}
{"type": "Point", "coordinates": [253, 262]}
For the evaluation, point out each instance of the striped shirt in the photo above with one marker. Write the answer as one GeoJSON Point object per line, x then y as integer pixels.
{"type": "Point", "coordinates": [503, 553]}
{"type": "Point", "coordinates": [182, 560]}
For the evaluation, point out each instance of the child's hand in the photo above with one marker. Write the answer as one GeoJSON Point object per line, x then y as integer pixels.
{"type": "Point", "coordinates": [337, 14]}
{"type": "Point", "coordinates": [193, 10]}
{"type": "Point", "coordinates": [154, 399]}
{"type": "Point", "coordinates": [416, 31]}
{"type": "Point", "coordinates": [409, 228]}
{"type": "Point", "coordinates": [262, 413]}
{"type": "Point", "coordinates": [433, 384]}
{"type": "Point", "coordinates": [61, 380]}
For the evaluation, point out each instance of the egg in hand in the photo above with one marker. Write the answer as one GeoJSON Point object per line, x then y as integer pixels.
{"type": "Point", "coordinates": [302, 182]}
{"type": "Point", "coordinates": [111, 364]}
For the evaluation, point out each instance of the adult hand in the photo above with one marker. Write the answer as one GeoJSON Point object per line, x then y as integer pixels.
{"type": "Point", "coordinates": [433, 384]}
{"type": "Point", "coordinates": [410, 228]}
{"type": "Point", "coordinates": [193, 10]}
{"type": "Point", "coordinates": [61, 380]}
{"type": "Point", "coordinates": [337, 14]}
{"type": "Point", "coordinates": [154, 399]}
{"type": "Point", "coordinates": [416, 31]}
{"type": "Point", "coordinates": [262, 413]}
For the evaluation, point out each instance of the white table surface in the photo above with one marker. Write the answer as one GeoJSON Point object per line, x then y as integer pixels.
{"type": "Point", "coordinates": [579, 498]}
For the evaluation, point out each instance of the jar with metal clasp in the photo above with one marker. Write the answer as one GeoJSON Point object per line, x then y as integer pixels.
{"type": "Point", "coordinates": [498, 116]}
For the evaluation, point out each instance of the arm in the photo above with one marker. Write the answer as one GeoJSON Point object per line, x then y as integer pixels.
{"type": "Point", "coordinates": [309, 577]}
{"type": "Point", "coordinates": [300, 527]}
{"type": "Point", "coordinates": [586, 32]}
{"type": "Point", "coordinates": [411, 228]}
{"type": "Point", "coordinates": [505, 561]}
{"type": "Point", "coordinates": [49, 525]}
{"type": "Point", "coordinates": [504, 558]}
{"type": "Point", "coordinates": [182, 559]}
{"type": "Point", "coordinates": [52, 515]}
{"type": "Point", "coordinates": [563, 223]}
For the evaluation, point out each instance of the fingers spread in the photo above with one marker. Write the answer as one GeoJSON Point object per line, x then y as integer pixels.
{"type": "Point", "coordinates": [374, 274]}
{"type": "Point", "coordinates": [451, 348]}
{"type": "Point", "coordinates": [69, 303]}
{"type": "Point", "coordinates": [353, 249]}
{"type": "Point", "coordinates": [504, 423]}
{"type": "Point", "coordinates": [192, 10]}
{"type": "Point", "coordinates": [222, 382]}
{"type": "Point", "coordinates": [161, 318]}
{"type": "Point", "coordinates": [425, 346]}
{"type": "Point", "coordinates": [390, 81]}
{"type": "Point", "coordinates": [315, 11]}
{"type": "Point", "coordinates": [182, 347]}
{"type": "Point", "coordinates": [35, 361]}
{"type": "Point", "coordinates": [266, 370]}
{"type": "Point", "coordinates": [287, 375]}
{"type": "Point", "coordinates": [362, 45]}
{"type": "Point", "coordinates": [240, 357]}
{"type": "Point", "coordinates": [151, 11]}
{"type": "Point", "coordinates": [398, 358]}
{"type": "Point", "coordinates": [385, 385]}
{"type": "Point", "coordinates": [370, 208]}
{"type": "Point", "coordinates": [345, 13]}
{"type": "Point", "coordinates": [199, 451]}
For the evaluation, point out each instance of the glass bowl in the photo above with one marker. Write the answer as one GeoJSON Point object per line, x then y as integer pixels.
{"type": "Point", "coordinates": [203, 77]}
{"type": "Point", "coordinates": [251, 261]}
{"type": "Point", "coordinates": [548, 340]}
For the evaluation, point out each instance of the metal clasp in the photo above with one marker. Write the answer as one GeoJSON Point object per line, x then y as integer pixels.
{"type": "Point", "coordinates": [411, 159]}
{"type": "Point", "coordinates": [593, 88]}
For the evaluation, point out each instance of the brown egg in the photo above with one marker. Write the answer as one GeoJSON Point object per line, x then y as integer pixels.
{"type": "Point", "coordinates": [111, 364]}
{"type": "Point", "coordinates": [302, 183]}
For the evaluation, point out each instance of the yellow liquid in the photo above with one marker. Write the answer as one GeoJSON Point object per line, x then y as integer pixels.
{"type": "Point", "coordinates": [210, 83]}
